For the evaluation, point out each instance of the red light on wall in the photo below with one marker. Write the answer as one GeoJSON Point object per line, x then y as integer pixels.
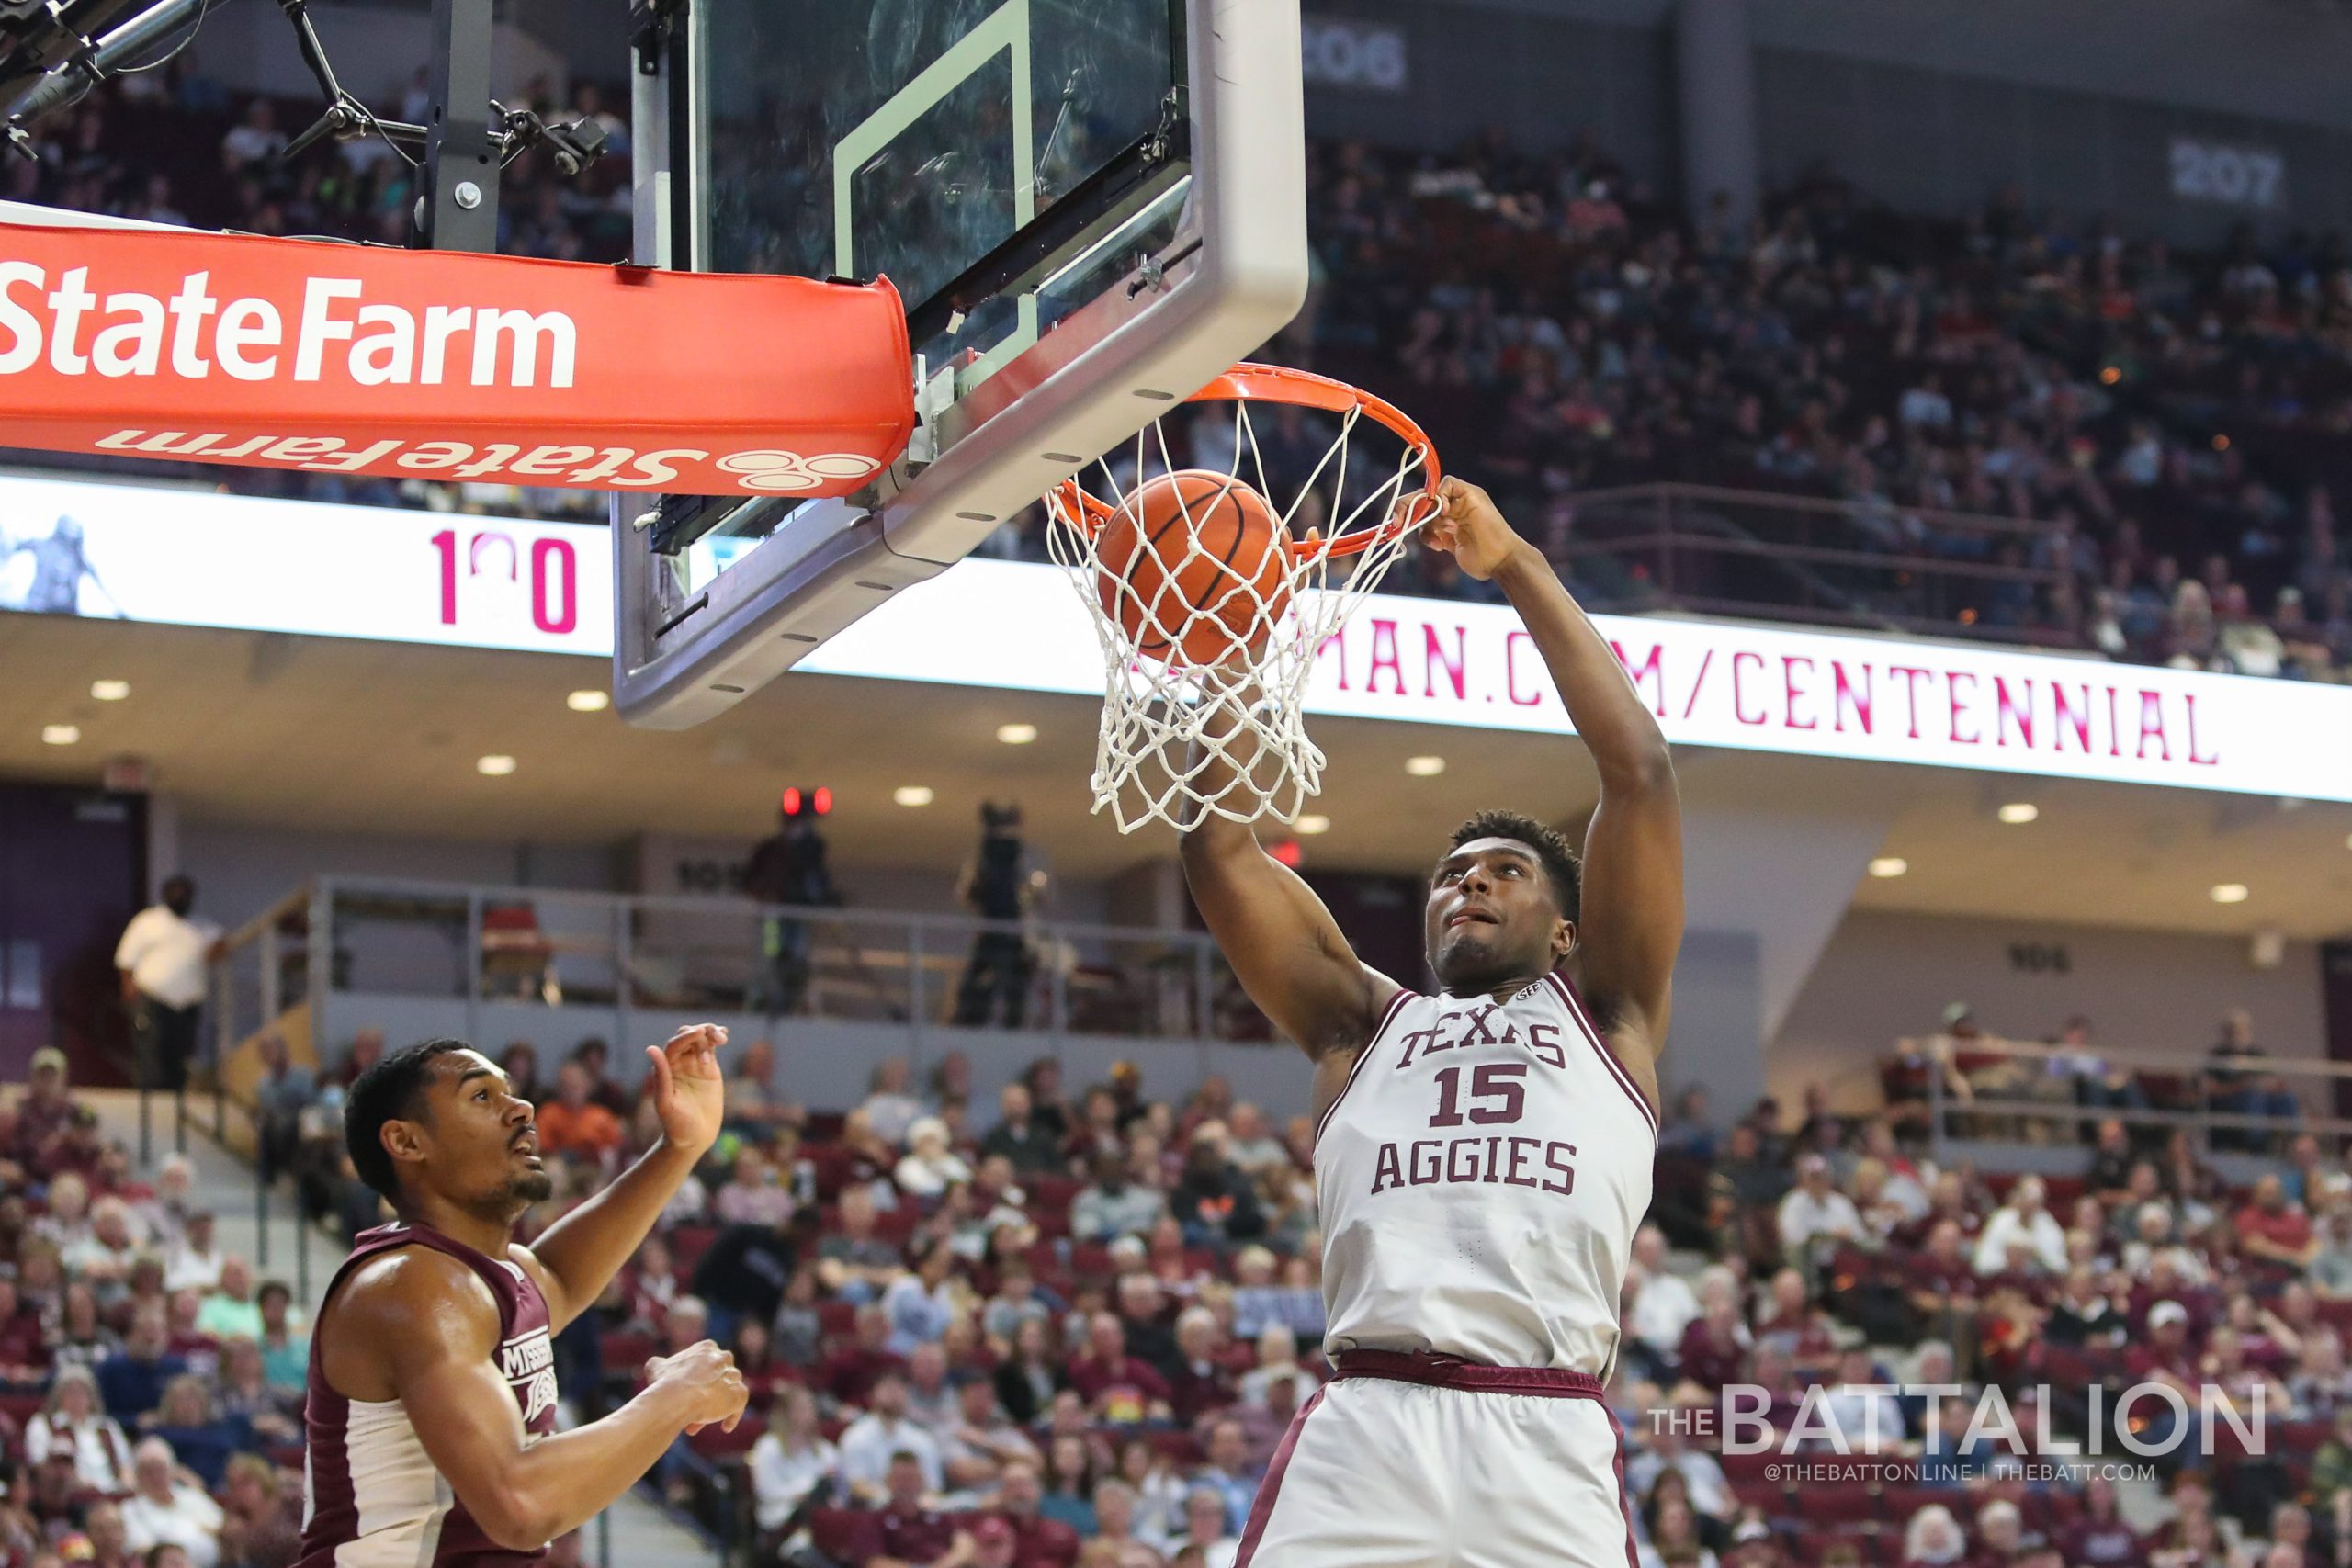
{"type": "Point", "coordinates": [1286, 852]}
{"type": "Point", "coordinates": [798, 802]}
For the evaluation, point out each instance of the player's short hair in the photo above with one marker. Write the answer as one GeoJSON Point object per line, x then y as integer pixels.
{"type": "Point", "coordinates": [391, 1090]}
{"type": "Point", "coordinates": [1559, 858]}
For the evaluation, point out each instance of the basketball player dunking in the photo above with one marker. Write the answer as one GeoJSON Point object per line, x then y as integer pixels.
{"type": "Point", "coordinates": [431, 1412]}
{"type": "Point", "coordinates": [1482, 1156]}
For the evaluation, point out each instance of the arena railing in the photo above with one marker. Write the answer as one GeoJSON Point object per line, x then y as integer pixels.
{"type": "Point", "coordinates": [1983, 1095]}
{"type": "Point", "coordinates": [1714, 550]}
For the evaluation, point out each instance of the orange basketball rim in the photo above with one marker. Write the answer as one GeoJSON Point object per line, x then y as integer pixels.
{"type": "Point", "coordinates": [1250, 383]}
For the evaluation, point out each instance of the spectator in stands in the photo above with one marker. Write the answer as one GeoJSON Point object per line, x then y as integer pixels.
{"type": "Point", "coordinates": [922, 1303]}
{"type": "Point", "coordinates": [851, 1370]}
{"type": "Point", "coordinates": [753, 1192]}
{"type": "Point", "coordinates": [41, 1113]}
{"type": "Point", "coordinates": [889, 1108]}
{"type": "Point", "coordinates": [1001, 888]}
{"type": "Point", "coordinates": [202, 1436]}
{"type": "Point", "coordinates": [1277, 1362]}
{"type": "Point", "coordinates": [1020, 1498]}
{"type": "Point", "coordinates": [1688, 1132]}
{"type": "Point", "coordinates": [914, 1535]}
{"type": "Point", "coordinates": [1229, 1472]}
{"type": "Point", "coordinates": [1214, 1203]}
{"type": "Point", "coordinates": [931, 1167]}
{"type": "Point", "coordinates": [855, 1263]}
{"type": "Point", "coordinates": [1252, 1147]}
{"type": "Point", "coordinates": [82, 1337]}
{"type": "Point", "coordinates": [754, 1102]}
{"type": "Point", "coordinates": [284, 1090]}
{"type": "Point", "coordinates": [1714, 1348]}
{"type": "Point", "coordinates": [791, 1465]}
{"type": "Point", "coordinates": [231, 1309]}
{"type": "Point", "coordinates": [2331, 1266]}
{"type": "Point", "coordinates": [871, 1443]}
{"type": "Point", "coordinates": [108, 1541]}
{"type": "Point", "coordinates": [1815, 1214]}
{"type": "Point", "coordinates": [573, 1126]}
{"type": "Point", "coordinates": [1145, 1318]}
{"type": "Point", "coordinates": [1117, 1387]}
{"type": "Point", "coordinates": [166, 1507]}
{"type": "Point", "coordinates": [799, 1325]}
{"type": "Point", "coordinates": [2023, 1219]}
{"type": "Point", "coordinates": [245, 1393]}
{"type": "Point", "coordinates": [1015, 1303]}
{"type": "Point", "coordinates": [1933, 1538]}
{"type": "Point", "coordinates": [1112, 1205]}
{"type": "Point", "coordinates": [1747, 1188]}
{"type": "Point", "coordinates": [2239, 1090]}
{"type": "Point", "coordinates": [132, 1380]}
{"type": "Point", "coordinates": [1205, 1530]}
{"type": "Point", "coordinates": [596, 1054]}
{"type": "Point", "coordinates": [285, 1346]}
{"type": "Point", "coordinates": [2272, 1229]}
{"type": "Point", "coordinates": [1069, 1478]}
{"type": "Point", "coordinates": [1032, 1146]}
{"type": "Point", "coordinates": [164, 958]}
{"type": "Point", "coordinates": [24, 1358]}
{"type": "Point", "coordinates": [1027, 1379]}
{"type": "Point", "coordinates": [981, 1438]}
{"type": "Point", "coordinates": [71, 1424]}
{"type": "Point", "coordinates": [253, 142]}
{"type": "Point", "coordinates": [261, 1523]}
{"type": "Point", "coordinates": [1201, 1381]}
{"type": "Point", "coordinates": [1099, 1131]}
{"type": "Point", "coordinates": [104, 1257]}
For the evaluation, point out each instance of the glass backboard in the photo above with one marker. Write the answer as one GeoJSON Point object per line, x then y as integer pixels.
{"type": "Point", "coordinates": [1091, 207]}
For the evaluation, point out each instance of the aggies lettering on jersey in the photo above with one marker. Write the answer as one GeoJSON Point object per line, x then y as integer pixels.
{"type": "Point", "coordinates": [1480, 1178]}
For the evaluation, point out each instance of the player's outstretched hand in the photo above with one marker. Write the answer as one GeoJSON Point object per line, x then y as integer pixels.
{"type": "Point", "coordinates": [1468, 528]}
{"type": "Point", "coordinates": [689, 1092]}
{"type": "Point", "coordinates": [709, 1373]}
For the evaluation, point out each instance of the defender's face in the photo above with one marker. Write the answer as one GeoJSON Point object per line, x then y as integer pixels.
{"type": "Point", "coordinates": [1491, 916]}
{"type": "Point", "coordinates": [485, 1144]}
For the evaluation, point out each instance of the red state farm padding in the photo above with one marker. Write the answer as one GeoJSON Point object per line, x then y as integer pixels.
{"type": "Point", "coordinates": [438, 365]}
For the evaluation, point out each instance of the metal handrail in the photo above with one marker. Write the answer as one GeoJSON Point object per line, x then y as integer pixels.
{"type": "Point", "coordinates": [1950, 1096]}
{"type": "Point", "coordinates": [922, 938]}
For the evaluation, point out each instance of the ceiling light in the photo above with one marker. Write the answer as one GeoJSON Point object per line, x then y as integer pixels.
{"type": "Point", "coordinates": [1311, 824]}
{"type": "Point", "coordinates": [60, 733]}
{"type": "Point", "coordinates": [109, 691]}
{"type": "Point", "coordinates": [1425, 767]}
{"type": "Point", "coordinates": [2020, 811]}
{"type": "Point", "coordinates": [1889, 865]}
{"type": "Point", "coordinates": [1016, 734]}
{"type": "Point", "coordinates": [497, 765]}
{"type": "Point", "coordinates": [913, 795]}
{"type": "Point", "coordinates": [595, 700]}
{"type": "Point", "coordinates": [2229, 893]}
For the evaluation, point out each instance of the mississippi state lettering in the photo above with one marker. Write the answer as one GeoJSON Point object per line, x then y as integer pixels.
{"type": "Point", "coordinates": [1494, 1160]}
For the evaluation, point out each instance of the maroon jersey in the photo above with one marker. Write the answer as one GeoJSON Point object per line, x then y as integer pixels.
{"type": "Point", "coordinates": [370, 1497]}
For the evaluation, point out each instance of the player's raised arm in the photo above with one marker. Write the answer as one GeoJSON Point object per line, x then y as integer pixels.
{"type": "Point", "coordinates": [1630, 923]}
{"type": "Point", "coordinates": [420, 1327]}
{"type": "Point", "coordinates": [580, 1252]}
{"type": "Point", "coordinates": [1283, 944]}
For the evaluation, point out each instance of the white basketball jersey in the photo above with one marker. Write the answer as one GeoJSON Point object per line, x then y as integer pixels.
{"type": "Point", "coordinates": [1480, 1178]}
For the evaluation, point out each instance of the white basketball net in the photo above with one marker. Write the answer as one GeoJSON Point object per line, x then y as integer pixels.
{"type": "Point", "coordinates": [1167, 722]}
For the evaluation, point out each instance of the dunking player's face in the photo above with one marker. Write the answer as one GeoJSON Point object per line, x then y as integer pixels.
{"type": "Point", "coordinates": [482, 1148]}
{"type": "Point", "coordinates": [1492, 918]}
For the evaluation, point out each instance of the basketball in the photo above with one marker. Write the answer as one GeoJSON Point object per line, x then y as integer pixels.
{"type": "Point", "coordinates": [1193, 568]}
